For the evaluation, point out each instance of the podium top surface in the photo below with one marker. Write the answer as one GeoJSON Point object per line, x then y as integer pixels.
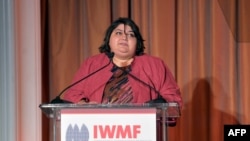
{"type": "Point", "coordinates": [127, 105]}
{"type": "Point", "coordinates": [171, 108]}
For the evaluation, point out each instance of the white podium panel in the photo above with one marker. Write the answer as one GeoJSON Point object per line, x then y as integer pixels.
{"type": "Point", "coordinates": [110, 122]}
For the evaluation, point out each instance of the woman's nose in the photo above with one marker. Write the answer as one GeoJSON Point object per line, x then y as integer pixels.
{"type": "Point", "coordinates": [124, 36]}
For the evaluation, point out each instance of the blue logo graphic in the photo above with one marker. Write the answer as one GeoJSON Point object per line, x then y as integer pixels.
{"type": "Point", "coordinates": [76, 134]}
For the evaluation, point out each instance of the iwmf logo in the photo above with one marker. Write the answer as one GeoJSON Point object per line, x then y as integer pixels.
{"type": "Point", "coordinates": [103, 132]}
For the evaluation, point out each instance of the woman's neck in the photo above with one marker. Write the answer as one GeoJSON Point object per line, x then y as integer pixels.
{"type": "Point", "coordinates": [122, 62]}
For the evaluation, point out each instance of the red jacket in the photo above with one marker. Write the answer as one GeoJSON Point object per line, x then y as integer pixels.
{"type": "Point", "coordinates": [148, 69]}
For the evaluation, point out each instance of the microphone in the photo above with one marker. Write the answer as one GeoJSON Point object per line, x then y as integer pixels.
{"type": "Point", "coordinates": [59, 100]}
{"type": "Point", "coordinates": [169, 121]}
{"type": "Point", "coordinates": [159, 98]}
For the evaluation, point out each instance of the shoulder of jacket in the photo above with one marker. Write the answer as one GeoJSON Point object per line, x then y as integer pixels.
{"type": "Point", "coordinates": [150, 58]}
{"type": "Point", "coordinates": [97, 57]}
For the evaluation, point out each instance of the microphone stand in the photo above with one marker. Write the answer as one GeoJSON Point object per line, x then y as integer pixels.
{"type": "Point", "coordinates": [159, 98]}
{"type": "Point", "coordinates": [58, 98]}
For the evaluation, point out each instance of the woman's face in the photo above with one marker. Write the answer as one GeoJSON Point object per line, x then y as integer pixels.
{"type": "Point", "coordinates": [123, 42]}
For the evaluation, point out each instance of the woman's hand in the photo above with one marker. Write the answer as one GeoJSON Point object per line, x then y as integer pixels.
{"type": "Point", "coordinates": [86, 101]}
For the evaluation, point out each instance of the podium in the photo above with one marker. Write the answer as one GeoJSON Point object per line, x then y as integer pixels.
{"type": "Point", "coordinates": [111, 122]}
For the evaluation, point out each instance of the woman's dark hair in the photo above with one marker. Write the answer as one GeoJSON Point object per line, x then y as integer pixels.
{"type": "Point", "coordinates": [105, 48]}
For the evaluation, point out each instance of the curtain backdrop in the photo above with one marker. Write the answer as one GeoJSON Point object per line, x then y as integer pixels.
{"type": "Point", "coordinates": [204, 42]}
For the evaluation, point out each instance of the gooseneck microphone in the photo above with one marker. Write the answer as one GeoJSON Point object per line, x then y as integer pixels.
{"type": "Point", "coordinates": [59, 100]}
{"type": "Point", "coordinates": [159, 98]}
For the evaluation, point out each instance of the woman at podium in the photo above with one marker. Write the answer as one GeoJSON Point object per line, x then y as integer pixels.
{"type": "Point", "coordinates": [122, 72]}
